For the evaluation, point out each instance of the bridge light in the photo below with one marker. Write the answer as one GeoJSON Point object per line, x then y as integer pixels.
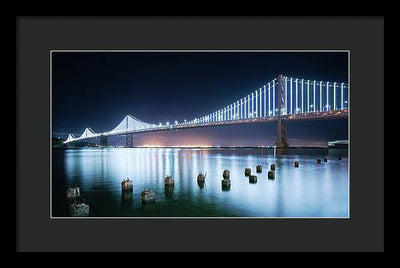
{"type": "Point", "coordinates": [167, 123]}
{"type": "Point", "coordinates": [160, 124]}
{"type": "Point", "coordinates": [176, 122]}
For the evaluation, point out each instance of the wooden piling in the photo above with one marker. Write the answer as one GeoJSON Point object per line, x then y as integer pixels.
{"type": "Point", "coordinates": [169, 181]}
{"type": "Point", "coordinates": [226, 174]}
{"type": "Point", "coordinates": [259, 169]}
{"type": "Point", "coordinates": [79, 209]}
{"type": "Point", "coordinates": [73, 192]}
{"type": "Point", "coordinates": [201, 177]}
{"type": "Point", "coordinates": [226, 184]}
{"type": "Point", "coordinates": [127, 185]}
{"type": "Point", "coordinates": [148, 195]}
{"type": "Point", "coordinates": [271, 174]}
{"type": "Point", "coordinates": [252, 178]}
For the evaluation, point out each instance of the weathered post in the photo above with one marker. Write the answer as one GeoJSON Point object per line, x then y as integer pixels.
{"type": "Point", "coordinates": [226, 183]}
{"type": "Point", "coordinates": [148, 196]}
{"type": "Point", "coordinates": [169, 181]}
{"type": "Point", "coordinates": [259, 169]}
{"type": "Point", "coordinates": [225, 175]}
{"type": "Point", "coordinates": [127, 185]}
{"type": "Point", "coordinates": [200, 184]}
{"type": "Point", "coordinates": [252, 179]}
{"type": "Point", "coordinates": [79, 209]}
{"type": "Point", "coordinates": [247, 172]}
{"type": "Point", "coordinates": [271, 175]}
{"type": "Point", "coordinates": [73, 192]}
{"type": "Point", "coordinates": [201, 177]}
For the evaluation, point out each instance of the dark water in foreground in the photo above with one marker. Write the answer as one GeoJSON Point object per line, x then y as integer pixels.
{"type": "Point", "coordinates": [308, 191]}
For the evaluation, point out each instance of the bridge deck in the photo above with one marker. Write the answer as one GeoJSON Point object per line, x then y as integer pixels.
{"type": "Point", "coordinates": [294, 117]}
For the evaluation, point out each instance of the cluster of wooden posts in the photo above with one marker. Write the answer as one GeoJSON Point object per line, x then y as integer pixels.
{"type": "Point", "coordinates": [253, 178]}
{"type": "Point", "coordinates": [326, 160]}
{"type": "Point", "coordinates": [147, 195]}
{"type": "Point", "coordinates": [271, 172]}
{"type": "Point", "coordinates": [78, 207]}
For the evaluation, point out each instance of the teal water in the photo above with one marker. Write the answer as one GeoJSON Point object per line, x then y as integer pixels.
{"type": "Point", "coordinates": [311, 190]}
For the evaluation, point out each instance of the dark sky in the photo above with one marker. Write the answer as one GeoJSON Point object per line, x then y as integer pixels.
{"type": "Point", "coordinates": [97, 90]}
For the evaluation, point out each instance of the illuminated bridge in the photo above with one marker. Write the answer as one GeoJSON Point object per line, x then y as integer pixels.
{"type": "Point", "coordinates": [283, 99]}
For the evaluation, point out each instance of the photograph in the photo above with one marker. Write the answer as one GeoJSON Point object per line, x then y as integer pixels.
{"type": "Point", "coordinates": [199, 134]}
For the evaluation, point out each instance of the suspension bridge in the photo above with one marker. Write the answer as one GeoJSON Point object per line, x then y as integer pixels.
{"type": "Point", "coordinates": [281, 100]}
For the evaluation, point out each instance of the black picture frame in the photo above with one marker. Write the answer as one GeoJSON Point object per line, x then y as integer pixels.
{"type": "Point", "coordinates": [363, 36]}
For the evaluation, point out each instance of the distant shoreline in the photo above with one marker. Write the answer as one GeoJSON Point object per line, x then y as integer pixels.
{"type": "Point", "coordinates": [211, 147]}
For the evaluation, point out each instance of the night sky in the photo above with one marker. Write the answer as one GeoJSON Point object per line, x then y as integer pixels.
{"type": "Point", "coordinates": [97, 90]}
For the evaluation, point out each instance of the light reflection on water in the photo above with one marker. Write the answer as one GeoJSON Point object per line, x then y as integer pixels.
{"type": "Point", "coordinates": [311, 190]}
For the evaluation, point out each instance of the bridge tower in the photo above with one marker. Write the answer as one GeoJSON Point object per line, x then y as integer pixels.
{"type": "Point", "coordinates": [103, 141]}
{"type": "Point", "coordinates": [129, 140]}
{"type": "Point", "coordinates": [281, 135]}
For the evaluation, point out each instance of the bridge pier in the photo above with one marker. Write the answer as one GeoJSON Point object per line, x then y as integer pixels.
{"type": "Point", "coordinates": [129, 140]}
{"type": "Point", "coordinates": [281, 134]}
{"type": "Point", "coordinates": [103, 141]}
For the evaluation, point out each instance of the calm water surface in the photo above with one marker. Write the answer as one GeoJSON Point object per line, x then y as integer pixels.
{"type": "Point", "coordinates": [311, 190]}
